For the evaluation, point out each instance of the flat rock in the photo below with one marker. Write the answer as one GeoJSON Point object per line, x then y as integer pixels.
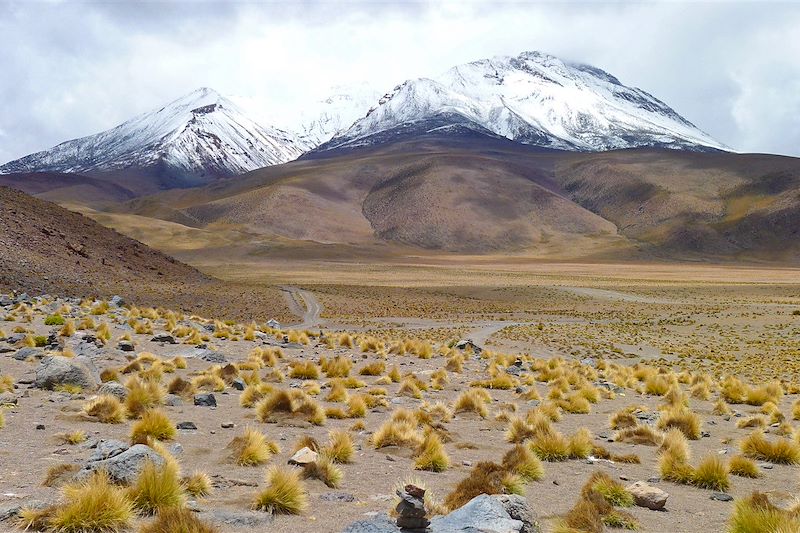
{"type": "Point", "coordinates": [721, 497]}
{"type": "Point", "coordinates": [106, 449]}
{"type": "Point", "coordinates": [238, 518]}
{"type": "Point", "coordinates": [186, 425]}
{"type": "Point", "coordinates": [378, 524]}
{"type": "Point", "coordinates": [24, 353]}
{"type": "Point", "coordinates": [648, 496]}
{"type": "Point", "coordinates": [57, 370]}
{"type": "Point", "coordinates": [337, 496]}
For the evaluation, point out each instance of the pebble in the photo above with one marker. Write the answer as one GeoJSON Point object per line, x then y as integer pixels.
{"type": "Point", "coordinates": [40, 426]}
{"type": "Point", "coordinates": [721, 497]}
{"type": "Point", "coordinates": [227, 425]}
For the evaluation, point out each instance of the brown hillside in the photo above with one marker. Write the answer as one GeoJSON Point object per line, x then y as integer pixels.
{"type": "Point", "coordinates": [46, 248]}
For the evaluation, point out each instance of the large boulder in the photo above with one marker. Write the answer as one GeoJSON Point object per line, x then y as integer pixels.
{"type": "Point", "coordinates": [483, 514]}
{"type": "Point", "coordinates": [57, 370]}
{"type": "Point", "coordinates": [126, 466]}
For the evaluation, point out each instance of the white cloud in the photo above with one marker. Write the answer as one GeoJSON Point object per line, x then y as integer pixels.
{"type": "Point", "coordinates": [71, 69]}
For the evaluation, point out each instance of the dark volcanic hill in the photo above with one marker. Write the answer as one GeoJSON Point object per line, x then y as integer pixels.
{"type": "Point", "coordinates": [46, 248]}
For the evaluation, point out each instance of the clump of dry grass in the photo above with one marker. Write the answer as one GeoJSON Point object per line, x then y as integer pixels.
{"type": "Point", "coordinates": [741, 466]}
{"type": "Point", "coordinates": [757, 514]}
{"type": "Point", "coordinates": [94, 505]}
{"type": "Point", "coordinates": [373, 369]}
{"type": "Point", "coordinates": [521, 461]}
{"type": "Point", "coordinates": [154, 423]}
{"type": "Point", "coordinates": [484, 478]}
{"type": "Point", "coordinates": [431, 454]}
{"type": "Point", "coordinates": [409, 387]}
{"type": "Point", "coordinates": [623, 419]}
{"type": "Point", "coordinates": [197, 485]}
{"type": "Point", "coordinates": [640, 434]}
{"type": "Point", "coordinates": [73, 437]}
{"type": "Point", "coordinates": [472, 400]}
{"type": "Point", "coordinates": [177, 520]}
{"type": "Point", "coordinates": [325, 470]}
{"type": "Point", "coordinates": [142, 395]}
{"type": "Point", "coordinates": [340, 448]}
{"type": "Point", "coordinates": [780, 451]}
{"type": "Point", "coordinates": [157, 488]}
{"type": "Point", "coordinates": [284, 493]}
{"type": "Point", "coordinates": [304, 370]}
{"type": "Point", "coordinates": [181, 387]}
{"type": "Point", "coordinates": [106, 409]}
{"type": "Point", "coordinates": [399, 430]}
{"type": "Point", "coordinates": [59, 474]}
{"type": "Point", "coordinates": [711, 473]}
{"type": "Point", "coordinates": [613, 492]}
{"type": "Point", "coordinates": [681, 418]}
{"type": "Point", "coordinates": [252, 448]}
{"type": "Point", "coordinates": [293, 403]}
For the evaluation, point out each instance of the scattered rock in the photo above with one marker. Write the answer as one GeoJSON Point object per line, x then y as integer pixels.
{"type": "Point", "coordinates": [337, 497]}
{"type": "Point", "coordinates": [24, 353]}
{"type": "Point", "coordinates": [205, 400]}
{"type": "Point", "coordinates": [8, 398]}
{"type": "Point", "coordinates": [114, 388]}
{"type": "Point", "coordinates": [125, 346]}
{"type": "Point", "coordinates": [518, 509]}
{"type": "Point", "coordinates": [411, 509]}
{"type": "Point", "coordinates": [721, 497]}
{"type": "Point", "coordinates": [165, 338]}
{"type": "Point", "coordinates": [303, 456]}
{"type": "Point", "coordinates": [173, 400]}
{"type": "Point", "coordinates": [117, 301]}
{"type": "Point", "coordinates": [40, 427]}
{"type": "Point", "coordinates": [238, 384]}
{"type": "Point", "coordinates": [57, 370]}
{"type": "Point", "coordinates": [227, 425]}
{"type": "Point", "coordinates": [105, 449]}
{"type": "Point", "coordinates": [648, 496]}
{"type": "Point", "coordinates": [126, 466]}
{"type": "Point", "coordinates": [185, 425]}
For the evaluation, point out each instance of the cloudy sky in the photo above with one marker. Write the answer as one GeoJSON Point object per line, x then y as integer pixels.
{"type": "Point", "coordinates": [72, 68]}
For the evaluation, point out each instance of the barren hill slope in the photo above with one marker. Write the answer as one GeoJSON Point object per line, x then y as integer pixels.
{"type": "Point", "coordinates": [47, 248]}
{"type": "Point", "coordinates": [478, 194]}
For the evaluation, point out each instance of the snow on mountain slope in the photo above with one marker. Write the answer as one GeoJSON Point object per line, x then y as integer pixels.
{"type": "Point", "coordinates": [535, 99]}
{"type": "Point", "coordinates": [336, 113]}
{"type": "Point", "coordinates": [201, 134]}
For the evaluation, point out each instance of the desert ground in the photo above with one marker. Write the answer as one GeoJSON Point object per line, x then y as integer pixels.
{"type": "Point", "coordinates": [682, 376]}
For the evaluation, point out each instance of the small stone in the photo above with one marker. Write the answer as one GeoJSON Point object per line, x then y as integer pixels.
{"type": "Point", "coordinates": [415, 491]}
{"type": "Point", "coordinates": [654, 480]}
{"type": "Point", "coordinates": [238, 384]}
{"type": "Point", "coordinates": [721, 497]}
{"type": "Point", "coordinates": [226, 425]}
{"type": "Point", "coordinates": [337, 497]}
{"type": "Point", "coordinates": [390, 458]}
{"type": "Point", "coordinates": [765, 466]}
{"type": "Point", "coordinates": [205, 400]}
{"type": "Point", "coordinates": [186, 425]}
{"type": "Point", "coordinates": [466, 463]}
{"type": "Point", "coordinates": [169, 339]}
{"type": "Point", "coordinates": [40, 427]}
{"type": "Point", "coordinates": [125, 346]}
{"type": "Point", "coordinates": [173, 400]}
{"type": "Point", "coordinates": [624, 478]}
{"type": "Point", "coordinates": [303, 456]}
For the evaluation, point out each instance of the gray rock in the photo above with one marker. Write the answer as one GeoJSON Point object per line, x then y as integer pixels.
{"type": "Point", "coordinates": [126, 466]}
{"type": "Point", "coordinates": [173, 400]}
{"type": "Point", "coordinates": [117, 301]}
{"type": "Point", "coordinates": [107, 448]}
{"type": "Point", "coordinates": [114, 388]}
{"type": "Point", "coordinates": [176, 448]}
{"type": "Point", "coordinates": [186, 425]}
{"type": "Point", "coordinates": [206, 399]}
{"type": "Point", "coordinates": [24, 353]}
{"type": "Point", "coordinates": [12, 512]}
{"type": "Point", "coordinates": [238, 384]}
{"type": "Point", "coordinates": [378, 524]}
{"type": "Point", "coordinates": [211, 356]}
{"type": "Point", "coordinates": [125, 346]}
{"type": "Point", "coordinates": [518, 509]}
{"type": "Point", "coordinates": [483, 513]}
{"type": "Point", "coordinates": [57, 370]}
{"type": "Point", "coordinates": [238, 518]}
{"type": "Point", "coordinates": [8, 398]}
{"type": "Point", "coordinates": [721, 497]}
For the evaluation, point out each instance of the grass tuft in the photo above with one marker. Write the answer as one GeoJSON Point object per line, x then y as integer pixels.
{"type": "Point", "coordinates": [284, 494]}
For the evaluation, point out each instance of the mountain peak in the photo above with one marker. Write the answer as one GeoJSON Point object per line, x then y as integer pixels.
{"type": "Point", "coordinates": [533, 98]}
{"type": "Point", "coordinates": [200, 135]}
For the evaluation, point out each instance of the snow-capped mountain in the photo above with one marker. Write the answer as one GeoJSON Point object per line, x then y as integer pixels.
{"type": "Point", "coordinates": [199, 135]}
{"type": "Point", "coordinates": [534, 99]}
{"type": "Point", "coordinates": [336, 113]}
